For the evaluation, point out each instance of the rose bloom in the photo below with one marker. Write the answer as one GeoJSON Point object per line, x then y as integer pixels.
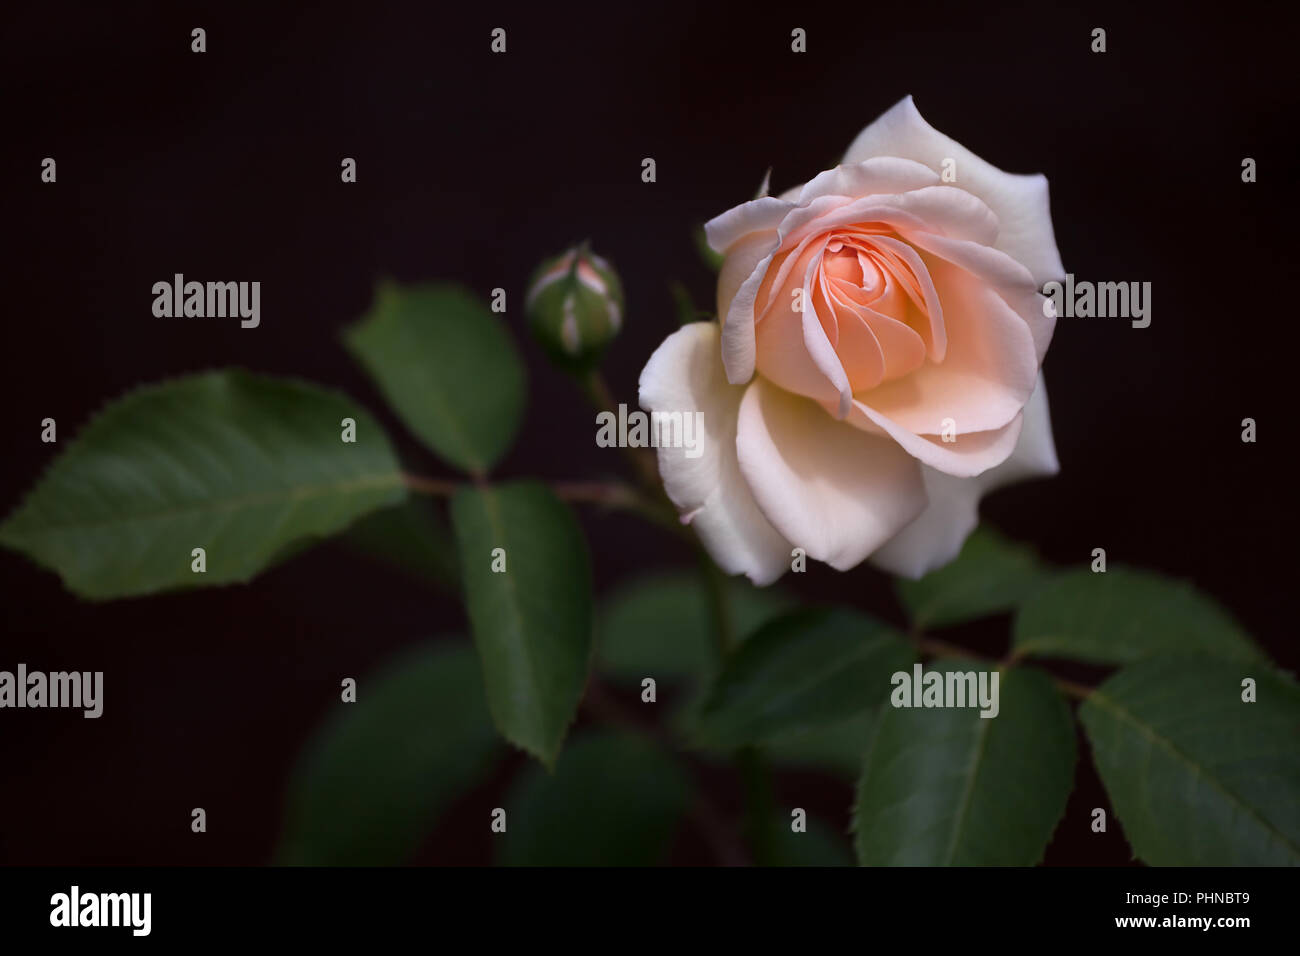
{"type": "Point", "coordinates": [876, 366]}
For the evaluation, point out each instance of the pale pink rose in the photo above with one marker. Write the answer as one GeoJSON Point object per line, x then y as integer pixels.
{"type": "Point", "coordinates": [921, 319]}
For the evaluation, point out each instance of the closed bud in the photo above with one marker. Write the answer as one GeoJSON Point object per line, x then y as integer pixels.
{"type": "Point", "coordinates": [575, 307]}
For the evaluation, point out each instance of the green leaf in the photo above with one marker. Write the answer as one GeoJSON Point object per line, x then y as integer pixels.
{"type": "Point", "coordinates": [1196, 776]}
{"type": "Point", "coordinates": [411, 537]}
{"type": "Point", "coordinates": [819, 845]}
{"type": "Point", "coordinates": [1124, 615]}
{"type": "Point", "coordinates": [836, 748]}
{"type": "Point", "coordinates": [660, 626]}
{"type": "Point", "coordinates": [447, 366]}
{"type": "Point", "coordinates": [614, 800]}
{"type": "Point", "coordinates": [990, 576]}
{"type": "Point", "coordinates": [805, 670]}
{"type": "Point", "coordinates": [375, 776]}
{"type": "Point", "coordinates": [946, 787]}
{"type": "Point", "coordinates": [532, 622]}
{"type": "Point", "coordinates": [245, 467]}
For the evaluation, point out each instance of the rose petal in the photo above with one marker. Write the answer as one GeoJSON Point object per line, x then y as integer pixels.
{"type": "Point", "coordinates": [937, 535]}
{"type": "Point", "coordinates": [950, 211]}
{"type": "Point", "coordinates": [1012, 281]}
{"type": "Point", "coordinates": [987, 374]}
{"type": "Point", "coordinates": [992, 265]}
{"type": "Point", "coordinates": [745, 268]}
{"type": "Point", "coordinates": [739, 281]}
{"type": "Point", "coordinates": [1020, 202]}
{"type": "Point", "coordinates": [821, 347]}
{"type": "Point", "coordinates": [903, 348]}
{"type": "Point", "coordinates": [931, 304]}
{"type": "Point", "coordinates": [751, 241]}
{"type": "Point", "coordinates": [783, 356]}
{"type": "Point", "coordinates": [970, 454]}
{"type": "Point", "coordinates": [858, 348]}
{"type": "Point", "coordinates": [758, 215]}
{"type": "Point", "coordinates": [835, 492]}
{"type": "Point", "coordinates": [1035, 454]}
{"type": "Point", "coordinates": [685, 375]}
{"type": "Point", "coordinates": [880, 174]}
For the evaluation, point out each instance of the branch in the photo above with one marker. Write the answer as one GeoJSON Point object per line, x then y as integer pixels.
{"type": "Point", "coordinates": [615, 495]}
{"type": "Point", "coordinates": [939, 648]}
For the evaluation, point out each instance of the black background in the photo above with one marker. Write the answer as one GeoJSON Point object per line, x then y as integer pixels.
{"type": "Point", "coordinates": [474, 166]}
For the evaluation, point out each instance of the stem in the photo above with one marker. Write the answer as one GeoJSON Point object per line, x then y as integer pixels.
{"type": "Point", "coordinates": [609, 494]}
{"type": "Point", "coordinates": [436, 487]}
{"type": "Point", "coordinates": [756, 780]}
{"type": "Point", "coordinates": [643, 460]}
{"type": "Point", "coordinates": [938, 648]}
{"type": "Point", "coordinates": [715, 590]}
{"type": "Point", "coordinates": [598, 392]}
{"type": "Point", "coordinates": [1071, 689]}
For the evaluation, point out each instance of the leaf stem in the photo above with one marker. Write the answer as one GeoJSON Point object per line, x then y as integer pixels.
{"type": "Point", "coordinates": [715, 590]}
{"type": "Point", "coordinates": [940, 648]}
{"type": "Point", "coordinates": [435, 487]}
{"type": "Point", "coordinates": [602, 399]}
{"type": "Point", "coordinates": [1071, 689]}
{"type": "Point", "coordinates": [756, 780]}
{"type": "Point", "coordinates": [610, 494]}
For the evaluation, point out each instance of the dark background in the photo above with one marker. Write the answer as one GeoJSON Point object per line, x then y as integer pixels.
{"type": "Point", "coordinates": [474, 166]}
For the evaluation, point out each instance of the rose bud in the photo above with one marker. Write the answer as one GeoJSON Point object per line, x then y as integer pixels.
{"type": "Point", "coordinates": [575, 307]}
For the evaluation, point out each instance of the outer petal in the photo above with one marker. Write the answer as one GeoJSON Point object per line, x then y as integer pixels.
{"type": "Point", "coordinates": [880, 174]}
{"type": "Point", "coordinates": [971, 454]}
{"type": "Point", "coordinates": [739, 280]}
{"type": "Point", "coordinates": [1035, 454]}
{"type": "Point", "coordinates": [1020, 202]}
{"type": "Point", "coordinates": [936, 537]}
{"type": "Point", "coordinates": [746, 235]}
{"type": "Point", "coordinates": [685, 375]}
{"type": "Point", "coordinates": [830, 489]}
{"type": "Point", "coordinates": [758, 215]}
